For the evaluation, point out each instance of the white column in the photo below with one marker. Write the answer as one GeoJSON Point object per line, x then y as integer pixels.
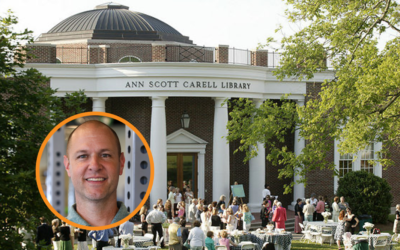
{"type": "Point", "coordinates": [299, 144]}
{"type": "Point", "coordinates": [220, 150]}
{"type": "Point", "coordinates": [257, 173]}
{"type": "Point", "coordinates": [99, 104]}
{"type": "Point", "coordinates": [200, 175]}
{"type": "Point", "coordinates": [158, 146]}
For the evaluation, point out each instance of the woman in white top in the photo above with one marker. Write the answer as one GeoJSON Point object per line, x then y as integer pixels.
{"type": "Point", "coordinates": [205, 220]}
{"type": "Point", "coordinates": [230, 220]}
{"type": "Point", "coordinates": [308, 211]}
{"type": "Point", "coordinates": [196, 237]}
{"type": "Point", "coordinates": [335, 209]}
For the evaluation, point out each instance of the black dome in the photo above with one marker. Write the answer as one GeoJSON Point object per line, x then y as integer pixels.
{"type": "Point", "coordinates": [113, 21]}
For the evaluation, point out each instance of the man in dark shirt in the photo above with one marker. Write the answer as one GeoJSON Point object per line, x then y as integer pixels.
{"type": "Point", "coordinates": [44, 234]}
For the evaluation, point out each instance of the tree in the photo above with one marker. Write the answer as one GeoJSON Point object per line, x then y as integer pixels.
{"type": "Point", "coordinates": [28, 112]}
{"type": "Point", "coordinates": [366, 194]}
{"type": "Point", "coordinates": [361, 102]}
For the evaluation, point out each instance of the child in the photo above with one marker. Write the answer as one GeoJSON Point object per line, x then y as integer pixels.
{"type": "Point", "coordinates": [209, 241]}
{"type": "Point", "coordinates": [181, 209]}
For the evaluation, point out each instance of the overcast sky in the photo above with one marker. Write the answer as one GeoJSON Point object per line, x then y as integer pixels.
{"type": "Point", "coordinates": [237, 23]}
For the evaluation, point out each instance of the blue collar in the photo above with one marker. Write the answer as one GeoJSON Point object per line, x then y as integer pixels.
{"type": "Point", "coordinates": [75, 217]}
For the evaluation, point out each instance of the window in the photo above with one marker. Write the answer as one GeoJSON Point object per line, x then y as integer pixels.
{"type": "Point", "coordinates": [129, 59]}
{"type": "Point", "coordinates": [58, 60]}
{"type": "Point", "coordinates": [355, 162]}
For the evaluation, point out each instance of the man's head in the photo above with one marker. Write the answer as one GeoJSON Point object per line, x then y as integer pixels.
{"type": "Point", "coordinates": [94, 161]}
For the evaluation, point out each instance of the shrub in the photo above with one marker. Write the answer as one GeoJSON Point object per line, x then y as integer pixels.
{"type": "Point", "coordinates": [366, 194]}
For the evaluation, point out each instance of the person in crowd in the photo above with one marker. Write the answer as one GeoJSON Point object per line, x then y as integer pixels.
{"type": "Point", "coordinates": [340, 229]}
{"type": "Point", "coordinates": [266, 192]}
{"type": "Point", "coordinates": [127, 228]}
{"type": "Point", "coordinates": [171, 198]}
{"type": "Point", "coordinates": [238, 217]}
{"type": "Point", "coordinates": [279, 216]}
{"type": "Point", "coordinates": [159, 202]}
{"type": "Point", "coordinates": [396, 224]}
{"type": "Point", "coordinates": [234, 206]}
{"type": "Point", "coordinates": [181, 209]}
{"type": "Point", "coordinates": [335, 209]}
{"type": "Point", "coordinates": [224, 241]}
{"type": "Point", "coordinates": [184, 232]}
{"type": "Point", "coordinates": [264, 213]}
{"type": "Point", "coordinates": [308, 211]}
{"type": "Point", "coordinates": [56, 232]}
{"type": "Point", "coordinates": [192, 211]}
{"type": "Point", "coordinates": [156, 218]}
{"type": "Point", "coordinates": [274, 207]}
{"type": "Point", "coordinates": [72, 236]}
{"type": "Point", "coordinates": [230, 220]}
{"type": "Point", "coordinates": [220, 202]}
{"type": "Point", "coordinates": [174, 231]}
{"type": "Point", "coordinates": [215, 219]}
{"type": "Point", "coordinates": [209, 242]}
{"type": "Point", "coordinates": [196, 237]}
{"type": "Point", "coordinates": [320, 209]}
{"type": "Point", "coordinates": [143, 214]}
{"type": "Point", "coordinates": [44, 233]}
{"type": "Point", "coordinates": [268, 199]}
{"type": "Point", "coordinates": [246, 218]}
{"type": "Point", "coordinates": [189, 195]}
{"type": "Point", "coordinates": [351, 221]}
{"type": "Point", "coordinates": [169, 185]}
{"type": "Point", "coordinates": [343, 204]}
{"type": "Point", "coordinates": [101, 237]}
{"type": "Point", "coordinates": [65, 241]}
{"type": "Point", "coordinates": [327, 204]}
{"type": "Point", "coordinates": [199, 212]}
{"type": "Point", "coordinates": [314, 201]}
{"type": "Point", "coordinates": [82, 243]}
{"type": "Point", "coordinates": [178, 199]}
{"type": "Point", "coordinates": [168, 208]}
{"type": "Point", "coordinates": [205, 220]}
{"type": "Point", "coordinates": [224, 216]}
{"type": "Point", "coordinates": [298, 216]}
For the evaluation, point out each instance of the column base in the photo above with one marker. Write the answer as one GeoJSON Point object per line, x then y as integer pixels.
{"type": "Point", "coordinates": [255, 207]}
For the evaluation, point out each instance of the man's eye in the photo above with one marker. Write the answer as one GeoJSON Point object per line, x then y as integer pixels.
{"type": "Point", "coordinates": [82, 156]}
{"type": "Point", "coordinates": [106, 155]}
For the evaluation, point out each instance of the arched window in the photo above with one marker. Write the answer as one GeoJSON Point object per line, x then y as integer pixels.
{"type": "Point", "coordinates": [129, 59]}
{"type": "Point", "coordinates": [58, 60]}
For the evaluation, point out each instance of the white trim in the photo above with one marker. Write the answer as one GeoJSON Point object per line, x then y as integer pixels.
{"type": "Point", "coordinates": [198, 146]}
{"type": "Point", "coordinates": [119, 61]}
{"type": "Point", "coordinates": [356, 162]}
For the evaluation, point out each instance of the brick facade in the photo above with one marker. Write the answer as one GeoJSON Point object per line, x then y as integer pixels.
{"type": "Point", "coordinates": [260, 58]}
{"type": "Point", "coordinates": [41, 53]}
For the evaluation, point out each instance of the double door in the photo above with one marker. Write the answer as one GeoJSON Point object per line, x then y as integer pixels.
{"type": "Point", "coordinates": [182, 169]}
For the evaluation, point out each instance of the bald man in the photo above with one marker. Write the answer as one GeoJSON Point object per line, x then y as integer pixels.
{"type": "Point", "coordinates": [94, 163]}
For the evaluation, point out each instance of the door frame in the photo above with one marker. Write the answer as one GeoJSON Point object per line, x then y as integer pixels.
{"type": "Point", "coordinates": [182, 141]}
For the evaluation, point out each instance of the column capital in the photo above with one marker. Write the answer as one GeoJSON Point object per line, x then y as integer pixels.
{"type": "Point", "coordinates": [99, 104]}
{"type": "Point", "coordinates": [258, 102]}
{"type": "Point", "coordinates": [300, 102]}
{"type": "Point", "coordinates": [219, 100]}
{"type": "Point", "coordinates": [158, 97]}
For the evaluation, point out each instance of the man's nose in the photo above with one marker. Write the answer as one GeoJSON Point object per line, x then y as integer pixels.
{"type": "Point", "coordinates": [95, 163]}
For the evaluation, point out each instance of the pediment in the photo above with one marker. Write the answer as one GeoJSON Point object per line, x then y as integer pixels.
{"type": "Point", "coordinates": [182, 136]}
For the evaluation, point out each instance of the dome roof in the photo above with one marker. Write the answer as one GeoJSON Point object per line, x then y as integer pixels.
{"type": "Point", "coordinates": [113, 21]}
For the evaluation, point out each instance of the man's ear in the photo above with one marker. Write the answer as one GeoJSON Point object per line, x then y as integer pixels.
{"type": "Point", "coordinates": [66, 164]}
{"type": "Point", "coordinates": [121, 163]}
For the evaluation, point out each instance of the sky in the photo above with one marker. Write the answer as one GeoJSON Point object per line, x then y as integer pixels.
{"type": "Point", "coordinates": [237, 23]}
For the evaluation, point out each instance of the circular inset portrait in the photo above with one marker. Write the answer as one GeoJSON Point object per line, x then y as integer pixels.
{"type": "Point", "coordinates": [95, 170]}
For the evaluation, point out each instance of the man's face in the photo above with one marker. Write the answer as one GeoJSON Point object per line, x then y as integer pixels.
{"type": "Point", "coordinates": [93, 163]}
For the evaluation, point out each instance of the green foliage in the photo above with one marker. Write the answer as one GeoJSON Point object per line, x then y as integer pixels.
{"type": "Point", "coordinates": [366, 194]}
{"type": "Point", "coordinates": [28, 112]}
{"type": "Point", "coordinates": [358, 104]}
{"type": "Point", "coordinates": [268, 124]}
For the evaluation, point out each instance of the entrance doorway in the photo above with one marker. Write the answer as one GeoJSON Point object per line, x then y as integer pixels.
{"type": "Point", "coordinates": [182, 167]}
